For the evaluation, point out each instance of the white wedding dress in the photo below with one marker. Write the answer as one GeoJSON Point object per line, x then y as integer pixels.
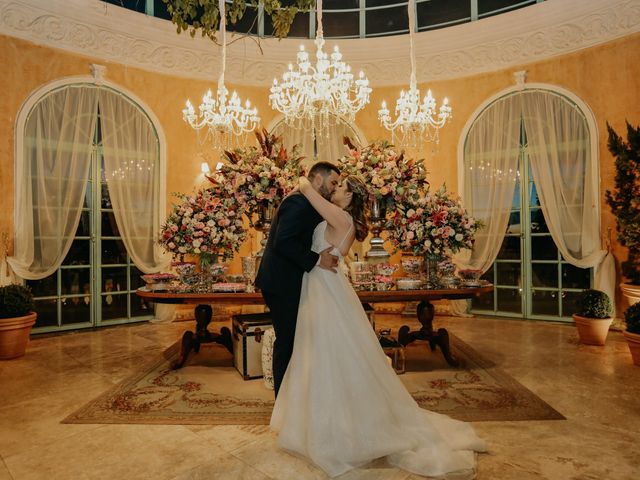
{"type": "Point", "coordinates": [342, 405]}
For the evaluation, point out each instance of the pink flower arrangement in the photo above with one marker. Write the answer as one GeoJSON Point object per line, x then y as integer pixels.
{"type": "Point", "coordinates": [256, 177]}
{"type": "Point", "coordinates": [390, 176]}
{"type": "Point", "coordinates": [435, 223]}
{"type": "Point", "coordinates": [208, 223]}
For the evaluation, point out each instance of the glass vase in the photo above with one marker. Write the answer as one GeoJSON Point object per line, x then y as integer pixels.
{"type": "Point", "coordinates": [249, 270]}
{"type": "Point", "coordinates": [206, 261]}
{"type": "Point", "coordinates": [377, 217]}
{"type": "Point", "coordinates": [431, 270]}
{"type": "Point", "coordinates": [266, 212]}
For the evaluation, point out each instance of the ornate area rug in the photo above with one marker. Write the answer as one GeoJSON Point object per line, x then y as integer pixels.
{"type": "Point", "coordinates": [208, 390]}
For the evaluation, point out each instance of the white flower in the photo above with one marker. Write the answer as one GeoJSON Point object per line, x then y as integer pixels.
{"type": "Point", "coordinates": [459, 237]}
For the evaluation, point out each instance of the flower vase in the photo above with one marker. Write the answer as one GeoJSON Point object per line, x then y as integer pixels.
{"type": "Point", "coordinates": [431, 271]}
{"type": "Point", "coordinates": [205, 278]}
{"type": "Point", "coordinates": [377, 217]}
{"type": "Point", "coordinates": [207, 259]}
{"type": "Point", "coordinates": [249, 269]}
{"type": "Point", "coordinates": [266, 211]}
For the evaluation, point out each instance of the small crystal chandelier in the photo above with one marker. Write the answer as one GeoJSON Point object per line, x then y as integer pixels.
{"type": "Point", "coordinates": [226, 122]}
{"type": "Point", "coordinates": [314, 97]}
{"type": "Point", "coordinates": [414, 121]}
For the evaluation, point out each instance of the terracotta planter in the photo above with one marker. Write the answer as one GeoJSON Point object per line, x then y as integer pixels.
{"type": "Point", "coordinates": [592, 331]}
{"type": "Point", "coordinates": [632, 292]}
{"type": "Point", "coordinates": [14, 335]}
{"type": "Point", "coordinates": [633, 340]}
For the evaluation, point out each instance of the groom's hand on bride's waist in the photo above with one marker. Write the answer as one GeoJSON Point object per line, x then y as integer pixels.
{"type": "Point", "coordinates": [327, 260]}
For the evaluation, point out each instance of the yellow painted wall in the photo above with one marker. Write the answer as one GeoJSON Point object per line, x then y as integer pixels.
{"type": "Point", "coordinates": [606, 77]}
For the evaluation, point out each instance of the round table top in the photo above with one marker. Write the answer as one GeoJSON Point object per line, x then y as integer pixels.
{"type": "Point", "coordinates": [255, 298]}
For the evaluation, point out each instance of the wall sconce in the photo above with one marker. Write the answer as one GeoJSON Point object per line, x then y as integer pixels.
{"type": "Point", "coordinates": [204, 168]}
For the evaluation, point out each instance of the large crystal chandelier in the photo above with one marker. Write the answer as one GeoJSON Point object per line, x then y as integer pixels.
{"type": "Point", "coordinates": [225, 120]}
{"type": "Point", "coordinates": [316, 96]}
{"type": "Point", "coordinates": [415, 121]}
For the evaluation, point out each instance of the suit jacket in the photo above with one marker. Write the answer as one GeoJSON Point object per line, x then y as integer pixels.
{"type": "Point", "coordinates": [288, 252]}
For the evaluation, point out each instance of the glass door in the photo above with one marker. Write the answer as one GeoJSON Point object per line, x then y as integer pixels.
{"type": "Point", "coordinates": [96, 283]}
{"type": "Point", "coordinates": [531, 278]}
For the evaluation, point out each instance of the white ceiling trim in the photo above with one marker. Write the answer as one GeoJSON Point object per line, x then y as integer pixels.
{"type": "Point", "coordinates": [110, 33]}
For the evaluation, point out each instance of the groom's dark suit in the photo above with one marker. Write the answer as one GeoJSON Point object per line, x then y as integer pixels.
{"type": "Point", "coordinates": [286, 257]}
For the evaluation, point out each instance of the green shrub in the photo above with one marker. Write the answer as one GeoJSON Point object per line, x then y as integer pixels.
{"type": "Point", "coordinates": [624, 199]}
{"type": "Point", "coordinates": [15, 301]}
{"type": "Point", "coordinates": [594, 304]}
{"type": "Point", "coordinates": [632, 318]}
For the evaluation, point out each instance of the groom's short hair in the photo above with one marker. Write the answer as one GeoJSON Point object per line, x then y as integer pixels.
{"type": "Point", "coordinates": [323, 168]}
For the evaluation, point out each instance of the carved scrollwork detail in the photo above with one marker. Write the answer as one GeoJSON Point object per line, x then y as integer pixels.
{"type": "Point", "coordinates": [111, 34]}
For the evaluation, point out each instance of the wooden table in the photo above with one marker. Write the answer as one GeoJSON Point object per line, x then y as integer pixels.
{"type": "Point", "coordinates": [203, 314]}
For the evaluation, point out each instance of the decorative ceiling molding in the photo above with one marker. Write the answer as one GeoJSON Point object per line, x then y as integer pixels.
{"type": "Point", "coordinates": [110, 33]}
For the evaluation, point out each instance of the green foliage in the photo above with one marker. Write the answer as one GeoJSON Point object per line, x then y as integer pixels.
{"type": "Point", "coordinates": [594, 304]}
{"type": "Point", "coordinates": [624, 200]}
{"type": "Point", "coordinates": [15, 301]}
{"type": "Point", "coordinates": [203, 15]}
{"type": "Point", "coordinates": [632, 318]}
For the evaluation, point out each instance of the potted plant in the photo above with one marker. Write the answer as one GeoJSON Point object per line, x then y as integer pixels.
{"type": "Point", "coordinates": [593, 317]}
{"type": "Point", "coordinates": [16, 319]}
{"type": "Point", "coordinates": [632, 333]}
{"type": "Point", "coordinates": [624, 201]}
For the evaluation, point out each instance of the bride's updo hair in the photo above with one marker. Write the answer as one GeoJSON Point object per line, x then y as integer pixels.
{"type": "Point", "coordinates": [358, 206]}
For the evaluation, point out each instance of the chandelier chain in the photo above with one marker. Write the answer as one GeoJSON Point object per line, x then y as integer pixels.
{"type": "Point", "coordinates": [313, 96]}
{"type": "Point", "coordinates": [416, 121]}
{"type": "Point", "coordinates": [225, 121]}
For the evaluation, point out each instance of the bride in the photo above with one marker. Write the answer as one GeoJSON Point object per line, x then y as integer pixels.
{"type": "Point", "coordinates": [341, 404]}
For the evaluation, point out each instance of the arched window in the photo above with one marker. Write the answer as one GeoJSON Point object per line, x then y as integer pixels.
{"type": "Point", "coordinates": [530, 172]}
{"type": "Point", "coordinates": [90, 197]}
{"type": "Point", "coordinates": [315, 146]}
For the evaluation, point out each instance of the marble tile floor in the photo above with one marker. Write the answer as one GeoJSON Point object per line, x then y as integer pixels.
{"type": "Point", "coordinates": [596, 388]}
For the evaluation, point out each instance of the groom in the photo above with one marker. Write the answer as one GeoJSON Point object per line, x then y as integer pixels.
{"type": "Point", "coordinates": [287, 256]}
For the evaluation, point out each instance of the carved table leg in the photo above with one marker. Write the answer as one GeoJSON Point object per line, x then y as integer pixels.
{"type": "Point", "coordinates": [187, 344]}
{"type": "Point", "coordinates": [192, 341]}
{"type": "Point", "coordinates": [225, 339]}
{"type": "Point", "coordinates": [440, 338]}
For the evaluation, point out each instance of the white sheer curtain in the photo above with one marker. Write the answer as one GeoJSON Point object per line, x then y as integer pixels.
{"type": "Point", "coordinates": [131, 168]}
{"type": "Point", "coordinates": [329, 148]}
{"type": "Point", "coordinates": [52, 179]}
{"type": "Point", "coordinates": [491, 163]}
{"type": "Point", "coordinates": [566, 179]}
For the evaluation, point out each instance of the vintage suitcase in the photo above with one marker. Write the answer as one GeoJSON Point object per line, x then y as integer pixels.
{"type": "Point", "coordinates": [248, 333]}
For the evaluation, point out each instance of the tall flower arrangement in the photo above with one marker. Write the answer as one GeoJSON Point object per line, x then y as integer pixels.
{"type": "Point", "coordinates": [433, 224]}
{"type": "Point", "coordinates": [392, 178]}
{"type": "Point", "coordinates": [206, 223]}
{"type": "Point", "coordinates": [256, 177]}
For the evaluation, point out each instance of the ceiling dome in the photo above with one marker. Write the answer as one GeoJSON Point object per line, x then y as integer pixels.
{"type": "Point", "coordinates": [358, 18]}
{"type": "Point", "coordinates": [516, 37]}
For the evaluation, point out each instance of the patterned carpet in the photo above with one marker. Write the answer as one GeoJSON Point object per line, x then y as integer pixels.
{"type": "Point", "coordinates": [208, 390]}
